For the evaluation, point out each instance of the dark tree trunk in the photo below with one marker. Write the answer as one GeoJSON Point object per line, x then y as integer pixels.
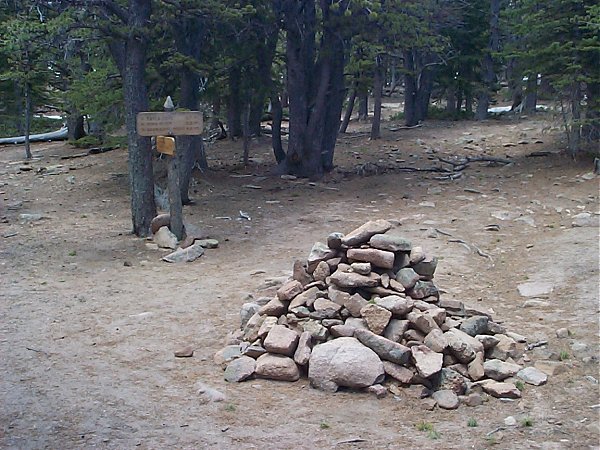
{"type": "Point", "coordinates": [424, 87]}
{"type": "Point", "coordinates": [190, 149]}
{"type": "Point", "coordinates": [277, 111]}
{"type": "Point", "coordinates": [234, 103]}
{"type": "Point", "coordinates": [246, 133]}
{"type": "Point", "coordinates": [394, 80]}
{"type": "Point", "coordinates": [216, 112]}
{"type": "Point", "coordinates": [410, 90]}
{"type": "Point", "coordinates": [531, 94]}
{"type": "Point", "coordinates": [488, 73]}
{"type": "Point", "coordinates": [130, 57]}
{"type": "Point", "coordinates": [348, 113]}
{"type": "Point", "coordinates": [377, 93]}
{"type": "Point", "coordinates": [75, 127]}
{"type": "Point", "coordinates": [363, 106]}
{"type": "Point", "coordinates": [27, 119]}
{"type": "Point", "coordinates": [451, 101]}
{"type": "Point", "coordinates": [256, 115]}
{"type": "Point", "coordinates": [315, 91]}
{"type": "Point", "coordinates": [469, 103]}
{"type": "Point", "coordinates": [591, 129]}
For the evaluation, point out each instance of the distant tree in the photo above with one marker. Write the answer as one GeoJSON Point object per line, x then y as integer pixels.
{"type": "Point", "coordinates": [560, 40]}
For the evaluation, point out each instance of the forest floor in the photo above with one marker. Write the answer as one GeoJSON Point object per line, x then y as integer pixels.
{"type": "Point", "coordinates": [91, 316]}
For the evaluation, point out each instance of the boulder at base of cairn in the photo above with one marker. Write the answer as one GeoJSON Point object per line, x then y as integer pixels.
{"type": "Point", "coordinates": [277, 367]}
{"type": "Point", "coordinates": [344, 362]}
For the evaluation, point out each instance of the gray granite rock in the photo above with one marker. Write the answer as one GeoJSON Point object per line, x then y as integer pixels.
{"type": "Point", "coordinates": [378, 258]}
{"type": "Point", "coordinates": [426, 360]}
{"type": "Point", "coordinates": [398, 306]}
{"type": "Point", "coordinates": [501, 390]}
{"type": "Point", "coordinates": [344, 362]}
{"type": "Point", "coordinates": [355, 304]}
{"type": "Point", "coordinates": [319, 252]}
{"type": "Point", "coordinates": [289, 290]}
{"type": "Point", "coordinates": [165, 239]}
{"type": "Point", "coordinates": [423, 289]}
{"type": "Point", "coordinates": [422, 322]}
{"type": "Point", "coordinates": [396, 329]}
{"type": "Point", "coordinates": [342, 331]}
{"type": "Point", "coordinates": [353, 280]}
{"type": "Point", "coordinates": [475, 369]}
{"type": "Point", "coordinates": [322, 271]}
{"type": "Point", "coordinates": [459, 348]}
{"type": "Point", "coordinates": [304, 349]}
{"type": "Point", "coordinates": [318, 331]}
{"type": "Point", "coordinates": [277, 367]}
{"type": "Point", "coordinates": [378, 390]}
{"type": "Point", "coordinates": [240, 369]}
{"type": "Point", "coordinates": [400, 373]}
{"type": "Point", "coordinates": [362, 268]}
{"type": "Point", "coordinates": [531, 375]}
{"type": "Point", "coordinates": [390, 242]}
{"type": "Point", "coordinates": [337, 296]}
{"type": "Point", "coordinates": [275, 307]}
{"type": "Point", "coordinates": [300, 272]}
{"type": "Point", "coordinates": [281, 340]}
{"type": "Point", "coordinates": [475, 325]}
{"type": "Point", "coordinates": [436, 340]}
{"type": "Point", "coordinates": [189, 254]}
{"type": "Point", "coordinates": [426, 268]}
{"type": "Point", "coordinates": [334, 240]}
{"type": "Point", "coordinates": [446, 399]}
{"type": "Point", "coordinates": [377, 318]}
{"type": "Point", "coordinates": [499, 370]}
{"type": "Point", "coordinates": [252, 327]}
{"type": "Point", "coordinates": [487, 341]}
{"type": "Point", "coordinates": [363, 233]}
{"type": "Point", "coordinates": [267, 325]}
{"type": "Point", "coordinates": [504, 349]}
{"type": "Point", "coordinates": [321, 304]}
{"type": "Point", "coordinates": [246, 312]}
{"type": "Point", "coordinates": [226, 355]}
{"type": "Point", "coordinates": [384, 348]}
{"type": "Point", "coordinates": [407, 277]}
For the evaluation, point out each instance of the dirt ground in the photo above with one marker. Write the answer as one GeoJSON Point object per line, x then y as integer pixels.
{"type": "Point", "coordinates": [90, 315]}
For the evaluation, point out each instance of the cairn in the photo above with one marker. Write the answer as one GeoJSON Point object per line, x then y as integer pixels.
{"type": "Point", "coordinates": [363, 310]}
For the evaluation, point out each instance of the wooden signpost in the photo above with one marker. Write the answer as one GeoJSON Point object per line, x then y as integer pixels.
{"type": "Point", "coordinates": [164, 125]}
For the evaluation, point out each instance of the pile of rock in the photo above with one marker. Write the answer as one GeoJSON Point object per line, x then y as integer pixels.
{"type": "Point", "coordinates": [364, 308]}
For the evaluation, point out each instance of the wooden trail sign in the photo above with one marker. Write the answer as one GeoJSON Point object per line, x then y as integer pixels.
{"type": "Point", "coordinates": [180, 123]}
{"type": "Point", "coordinates": [165, 145]}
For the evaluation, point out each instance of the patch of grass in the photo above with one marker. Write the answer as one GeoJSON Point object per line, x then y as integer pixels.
{"type": "Point", "coordinates": [424, 426]}
{"type": "Point", "coordinates": [72, 253]}
{"type": "Point", "coordinates": [527, 422]}
{"type": "Point", "coordinates": [472, 422]}
{"type": "Point", "coordinates": [324, 426]}
{"type": "Point", "coordinates": [86, 142]}
{"type": "Point", "coordinates": [398, 116]}
{"type": "Point", "coordinates": [230, 407]}
{"type": "Point", "coordinates": [435, 112]}
{"type": "Point", "coordinates": [491, 440]}
{"type": "Point", "coordinates": [433, 434]}
{"type": "Point", "coordinates": [519, 385]}
{"type": "Point", "coordinates": [563, 355]}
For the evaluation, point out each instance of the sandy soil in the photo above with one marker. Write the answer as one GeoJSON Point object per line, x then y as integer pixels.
{"type": "Point", "coordinates": [91, 316]}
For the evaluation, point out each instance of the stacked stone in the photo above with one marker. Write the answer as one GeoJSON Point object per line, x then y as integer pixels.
{"type": "Point", "coordinates": [363, 308]}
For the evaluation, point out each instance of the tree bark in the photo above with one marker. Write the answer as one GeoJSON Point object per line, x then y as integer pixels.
{"type": "Point", "coordinates": [130, 57]}
{"type": "Point", "coordinates": [75, 126]}
{"type": "Point", "coordinates": [363, 106]}
{"type": "Point", "coordinates": [246, 133]}
{"type": "Point", "coordinates": [410, 90]}
{"type": "Point", "coordinates": [530, 102]}
{"type": "Point", "coordinates": [190, 149]}
{"type": "Point", "coordinates": [234, 105]}
{"type": "Point", "coordinates": [277, 111]}
{"type": "Point", "coordinates": [377, 93]}
{"type": "Point", "coordinates": [348, 113]}
{"type": "Point", "coordinates": [489, 75]}
{"type": "Point", "coordinates": [27, 119]}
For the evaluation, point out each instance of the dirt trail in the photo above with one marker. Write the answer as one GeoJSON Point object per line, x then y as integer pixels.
{"type": "Point", "coordinates": [91, 316]}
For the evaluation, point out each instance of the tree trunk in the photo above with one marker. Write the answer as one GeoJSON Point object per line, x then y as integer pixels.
{"type": "Point", "coordinates": [246, 132]}
{"type": "Point", "coordinates": [315, 91]}
{"type": "Point", "coordinates": [363, 106]}
{"type": "Point", "coordinates": [277, 111]}
{"type": "Point", "coordinates": [424, 87]}
{"type": "Point", "coordinates": [348, 113]}
{"type": "Point", "coordinates": [489, 75]}
{"type": "Point", "coordinates": [130, 57]}
{"type": "Point", "coordinates": [377, 93]}
{"type": "Point", "coordinates": [395, 78]}
{"type": "Point", "coordinates": [410, 90]}
{"type": "Point", "coordinates": [531, 95]}
{"type": "Point", "coordinates": [574, 126]}
{"type": "Point", "coordinates": [190, 149]}
{"type": "Point", "coordinates": [75, 127]}
{"type": "Point", "coordinates": [234, 105]}
{"type": "Point", "coordinates": [451, 101]}
{"type": "Point", "coordinates": [27, 119]}
{"type": "Point", "coordinates": [591, 129]}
